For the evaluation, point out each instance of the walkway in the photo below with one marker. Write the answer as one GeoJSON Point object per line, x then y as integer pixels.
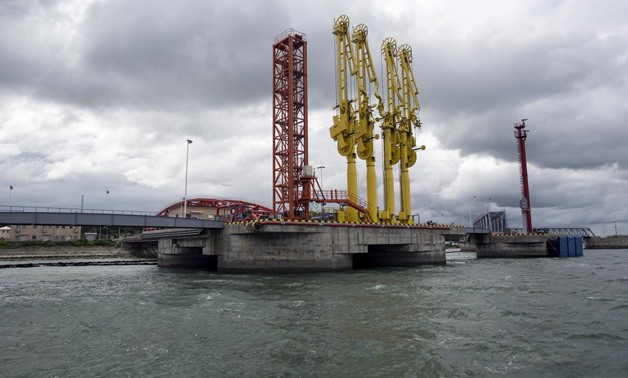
{"type": "Point", "coordinates": [66, 217]}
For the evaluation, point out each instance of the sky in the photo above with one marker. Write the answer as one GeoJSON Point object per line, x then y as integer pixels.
{"type": "Point", "coordinates": [99, 97]}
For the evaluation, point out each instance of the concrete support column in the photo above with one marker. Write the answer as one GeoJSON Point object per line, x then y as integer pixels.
{"type": "Point", "coordinates": [173, 253]}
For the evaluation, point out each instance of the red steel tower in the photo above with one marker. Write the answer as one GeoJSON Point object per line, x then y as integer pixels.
{"type": "Point", "coordinates": [290, 154]}
{"type": "Point", "coordinates": [520, 135]}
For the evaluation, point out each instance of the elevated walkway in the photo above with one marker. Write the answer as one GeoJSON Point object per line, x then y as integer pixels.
{"type": "Point", "coordinates": [61, 217]}
{"type": "Point", "coordinates": [342, 197]}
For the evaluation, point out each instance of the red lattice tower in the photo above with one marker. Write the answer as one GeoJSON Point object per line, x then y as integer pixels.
{"type": "Point", "coordinates": [290, 153]}
{"type": "Point", "coordinates": [526, 213]}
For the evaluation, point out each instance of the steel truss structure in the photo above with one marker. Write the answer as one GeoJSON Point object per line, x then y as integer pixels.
{"type": "Point", "coordinates": [290, 132]}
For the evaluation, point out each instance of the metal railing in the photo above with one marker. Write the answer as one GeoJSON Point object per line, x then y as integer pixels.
{"type": "Point", "coordinates": [566, 231]}
{"type": "Point", "coordinates": [49, 209]}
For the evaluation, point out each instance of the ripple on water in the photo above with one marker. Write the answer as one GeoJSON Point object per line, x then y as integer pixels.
{"type": "Point", "coordinates": [538, 317]}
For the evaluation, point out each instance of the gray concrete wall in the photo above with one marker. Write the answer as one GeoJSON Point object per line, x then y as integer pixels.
{"type": "Point", "coordinates": [184, 253]}
{"type": "Point", "coordinates": [324, 247]}
{"type": "Point", "coordinates": [507, 246]}
{"type": "Point", "coordinates": [607, 243]}
{"type": "Point", "coordinates": [286, 248]}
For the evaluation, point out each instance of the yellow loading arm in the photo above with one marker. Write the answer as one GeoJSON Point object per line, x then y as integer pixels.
{"type": "Point", "coordinates": [343, 129]}
{"type": "Point", "coordinates": [364, 133]}
{"type": "Point", "coordinates": [407, 141]}
{"type": "Point", "coordinates": [391, 118]}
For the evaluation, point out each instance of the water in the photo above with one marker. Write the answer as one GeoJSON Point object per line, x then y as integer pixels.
{"type": "Point", "coordinates": [489, 317]}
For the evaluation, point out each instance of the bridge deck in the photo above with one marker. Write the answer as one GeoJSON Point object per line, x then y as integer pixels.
{"type": "Point", "coordinates": [117, 220]}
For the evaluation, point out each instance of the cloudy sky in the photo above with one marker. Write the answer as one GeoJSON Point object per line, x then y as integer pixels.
{"type": "Point", "coordinates": [101, 95]}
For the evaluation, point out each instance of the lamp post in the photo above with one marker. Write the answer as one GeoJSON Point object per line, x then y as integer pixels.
{"type": "Point", "coordinates": [320, 168]}
{"type": "Point", "coordinates": [10, 194]}
{"type": "Point", "coordinates": [321, 173]}
{"type": "Point", "coordinates": [470, 223]}
{"type": "Point", "coordinates": [185, 195]}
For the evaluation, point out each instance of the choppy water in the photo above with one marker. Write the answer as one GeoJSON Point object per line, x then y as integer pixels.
{"type": "Point", "coordinates": [490, 317]}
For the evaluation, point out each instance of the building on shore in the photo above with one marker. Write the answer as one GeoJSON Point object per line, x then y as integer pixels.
{"type": "Point", "coordinates": [44, 233]}
{"type": "Point", "coordinates": [5, 232]}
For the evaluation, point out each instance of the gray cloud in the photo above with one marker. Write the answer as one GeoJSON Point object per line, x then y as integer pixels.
{"type": "Point", "coordinates": [123, 84]}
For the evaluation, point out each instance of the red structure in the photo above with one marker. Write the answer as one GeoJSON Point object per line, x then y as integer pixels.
{"type": "Point", "coordinates": [225, 209]}
{"type": "Point", "coordinates": [290, 154]}
{"type": "Point", "coordinates": [520, 135]}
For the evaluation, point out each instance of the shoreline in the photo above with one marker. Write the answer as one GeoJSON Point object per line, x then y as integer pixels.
{"type": "Point", "coordinates": [33, 256]}
{"type": "Point", "coordinates": [25, 263]}
{"type": "Point", "coordinates": [60, 251]}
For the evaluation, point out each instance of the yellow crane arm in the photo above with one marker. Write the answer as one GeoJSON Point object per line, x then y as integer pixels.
{"type": "Point", "coordinates": [411, 105]}
{"type": "Point", "coordinates": [394, 100]}
{"type": "Point", "coordinates": [364, 135]}
{"type": "Point", "coordinates": [342, 130]}
{"type": "Point", "coordinates": [410, 88]}
{"type": "Point", "coordinates": [365, 75]}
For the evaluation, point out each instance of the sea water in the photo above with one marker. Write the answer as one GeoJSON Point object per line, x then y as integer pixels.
{"type": "Point", "coordinates": [470, 317]}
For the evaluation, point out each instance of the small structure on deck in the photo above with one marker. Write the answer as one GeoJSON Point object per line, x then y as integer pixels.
{"type": "Point", "coordinates": [220, 209]}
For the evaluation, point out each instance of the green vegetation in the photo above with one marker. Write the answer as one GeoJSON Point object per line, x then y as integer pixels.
{"type": "Point", "coordinates": [49, 243]}
{"type": "Point", "coordinates": [452, 238]}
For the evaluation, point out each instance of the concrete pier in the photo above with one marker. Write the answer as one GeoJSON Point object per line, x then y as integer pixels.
{"type": "Point", "coordinates": [285, 247]}
{"type": "Point", "coordinates": [184, 253]}
{"type": "Point", "coordinates": [609, 242]}
{"type": "Point", "coordinates": [510, 246]}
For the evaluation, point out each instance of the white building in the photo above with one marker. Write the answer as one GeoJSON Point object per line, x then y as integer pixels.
{"type": "Point", "coordinates": [5, 232]}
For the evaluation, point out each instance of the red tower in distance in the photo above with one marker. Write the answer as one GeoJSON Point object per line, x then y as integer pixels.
{"type": "Point", "coordinates": [290, 154]}
{"type": "Point", "coordinates": [520, 135]}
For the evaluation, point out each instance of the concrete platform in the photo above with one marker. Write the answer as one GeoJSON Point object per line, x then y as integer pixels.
{"type": "Point", "coordinates": [287, 247]}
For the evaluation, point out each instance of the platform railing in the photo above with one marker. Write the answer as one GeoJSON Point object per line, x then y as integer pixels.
{"type": "Point", "coordinates": [343, 195]}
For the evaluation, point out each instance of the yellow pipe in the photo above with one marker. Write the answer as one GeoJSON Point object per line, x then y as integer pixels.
{"type": "Point", "coordinates": [389, 180]}
{"type": "Point", "coordinates": [352, 186]}
{"type": "Point", "coordinates": [406, 207]}
{"type": "Point", "coordinates": [371, 188]}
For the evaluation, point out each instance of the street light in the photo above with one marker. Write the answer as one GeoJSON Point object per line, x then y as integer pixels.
{"type": "Point", "coordinates": [10, 194]}
{"type": "Point", "coordinates": [185, 195]}
{"type": "Point", "coordinates": [470, 224]}
{"type": "Point", "coordinates": [321, 173]}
